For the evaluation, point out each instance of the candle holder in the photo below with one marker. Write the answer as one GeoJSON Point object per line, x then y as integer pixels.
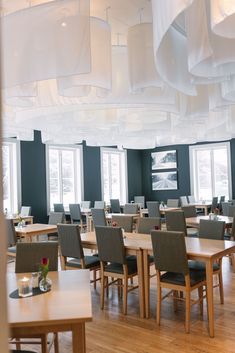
{"type": "Point", "coordinates": [25, 287]}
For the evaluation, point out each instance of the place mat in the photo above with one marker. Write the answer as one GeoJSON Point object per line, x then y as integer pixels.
{"type": "Point", "coordinates": [15, 293]}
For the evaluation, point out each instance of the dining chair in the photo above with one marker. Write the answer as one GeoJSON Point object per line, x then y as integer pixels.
{"type": "Point", "coordinates": [124, 222]}
{"type": "Point", "coordinates": [175, 221]}
{"type": "Point", "coordinates": [59, 207]}
{"type": "Point", "coordinates": [214, 203]}
{"type": "Point", "coordinates": [25, 211]}
{"type": "Point", "coordinates": [146, 224]}
{"type": "Point", "coordinates": [231, 211]}
{"type": "Point", "coordinates": [85, 204]}
{"type": "Point", "coordinates": [99, 204]}
{"type": "Point", "coordinates": [225, 207]}
{"type": "Point", "coordinates": [153, 209]}
{"type": "Point", "coordinates": [28, 259]}
{"type": "Point", "coordinates": [98, 216]}
{"type": "Point", "coordinates": [114, 263]}
{"type": "Point", "coordinates": [189, 211]}
{"type": "Point", "coordinates": [115, 206]}
{"type": "Point", "coordinates": [191, 199]}
{"type": "Point", "coordinates": [54, 219]}
{"type": "Point", "coordinates": [75, 213]}
{"type": "Point", "coordinates": [183, 201]}
{"type": "Point", "coordinates": [172, 203]}
{"type": "Point", "coordinates": [210, 229]}
{"type": "Point", "coordinates": [130, 208]}
{"type": "Point", "coordinates": [140, 200]}
{"type": "Point", "coordinates": [222, 199]}
{"type": "Point", "coordinates": [11, 238]}
{"type": "Point", "coordinates": [71, 247]}
{"type": "Point", "coordinates": [173, 272]}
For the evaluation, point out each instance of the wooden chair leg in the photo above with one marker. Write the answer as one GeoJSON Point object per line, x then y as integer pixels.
{"type": "Point", "coordinates": [44, 344]}
{"type": "Point", "coordinates": [159, 301]}
{"type": "Point", "coordinates": [103, 280]}
{"type": "Point", "coordinates": [187, 311]}
{"type": "Point", "coordinates": [125, 287]}
{"type": "Point", "coordinates": [200, 295]}
{"type": "Point", "coordinates": [18, 344]}
{"type": "Point", "coordinates": [221, 288]}
{"type": "Point", "coordinates": [94, 278]}
{"type": "Point", "coordinates": [175, 294]}
{"type": "Point", "coordinates": [56, 342]}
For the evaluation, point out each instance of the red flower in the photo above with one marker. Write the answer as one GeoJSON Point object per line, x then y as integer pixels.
{"type": "Point", "coordinates": [114, 224]}
{"type": "Point", "coordinates": [45, 261]}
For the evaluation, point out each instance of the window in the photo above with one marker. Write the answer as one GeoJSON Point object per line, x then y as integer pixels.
{"type": "Point", "coordinates": [11, 175]}
{"type": "Point", "coordinates": [64, 175]}
{"type": "Point", "coordinates": [210, 170]}
{"type": "Point", "coordinates": [113, 175]}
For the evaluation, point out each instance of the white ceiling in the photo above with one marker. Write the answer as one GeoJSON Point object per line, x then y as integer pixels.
{"type": "Point", "coordinates": [159, 114]}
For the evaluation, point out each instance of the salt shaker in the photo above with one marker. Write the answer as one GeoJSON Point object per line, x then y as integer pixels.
{"type": "Point", "coordinates": [35, 279]}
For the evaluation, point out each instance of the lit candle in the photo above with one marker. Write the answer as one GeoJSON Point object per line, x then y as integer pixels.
{"type": "Point", "coordinates": [24, 287]}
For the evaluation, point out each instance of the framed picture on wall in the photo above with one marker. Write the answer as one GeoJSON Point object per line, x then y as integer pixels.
{"type": "Point", "coordinates": [164, 159]}
{"type": "Point", "coordinates": [165, 181]}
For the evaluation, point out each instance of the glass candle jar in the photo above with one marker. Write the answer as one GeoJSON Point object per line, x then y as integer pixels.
{"type": "Point", "coordinates": [25, 287]}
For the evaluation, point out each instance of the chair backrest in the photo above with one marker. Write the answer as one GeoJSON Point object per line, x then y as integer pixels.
{"type": "Point", "coordinates": [214, 203]}
{"type": "Point", "coordinates": [85, 204]}
{"type": "Point", "coordinates": [222, 199]}
{"type": "Point", "coordinates": [11, 234]}
{"type": "Point", "coordinates": [70, 241]}
{"type": "Point", "coordinates": [25, 211]}
{"type": "Point", "coordinates": [231, 211]}
{"type": "Point", "coordinates": [29, 256]}
{"type": "Point", "coordinates": [115, 205]}
{"type": "Point", "coordinates": [175, 221]}
{"type": "Point", "coordinates": [140, 200]}
{"type": "Point", "coordinates": [191, 199]}
{"type": "Point", "coordinates": [146, 224]}
{"type": "Point", "coordinates": [110, 244]}
{"type": "Point", "coordinates": [189, 211]}
{"type": "Point", "coordinates": [183, 201]}
{"type": "Point", "coordinates": [56, 217]}
{"type": "Point", "coordinates": [98, 216]}
{"type": "Point", "coordinates": [58, 207]}
{"type": "Point", "coordinates": [99, 204]}
{"type": "Point", "coordinates": [209, 229]}
{"type": "Point", "coordinates": [75, 212]}
{"type": "Point", "coordinates": [125, 222]}
{"type": "Point", "coordinates": [153, 209]}
{"type": "Point", "coordinates": [169, 251]}
{"type": "Point", "coordinates": [130, 208]}
{"type": "Point", "coordinates": [225, 207]}
{"type": "Point", "coordinates": [172, 203]}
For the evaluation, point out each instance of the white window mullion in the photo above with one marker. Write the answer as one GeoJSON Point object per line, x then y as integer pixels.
{"type": "Point", "coordinates": [60, 177]}
{"type": "Point", "coordinates": [212, 172]}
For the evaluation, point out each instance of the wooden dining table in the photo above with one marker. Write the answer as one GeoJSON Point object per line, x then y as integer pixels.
{"type": "Point", "coordinates": [35, 229]}
{"type": "Point", "coordinates": [108, 217]}
{"type": "Point", "coordinates": [203, 250]}
{"type": "Point", "coordinates": [195, 221]}
{"type": "Point", "coordinates": [15, 219]}
{"type": "Point", "coordinates": [144, 211]}
{"type": "Point", "coordinates": [67, 307]}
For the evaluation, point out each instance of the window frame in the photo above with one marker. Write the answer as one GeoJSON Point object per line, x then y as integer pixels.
{"type": "Point", "coordinates": [78, 175]}
{"type": "Point", "coordinates": [117, 151]}
{"type": "Point", "coordinates": [194, 167]}
{"type": "Point", "coordinates": [15, 173]}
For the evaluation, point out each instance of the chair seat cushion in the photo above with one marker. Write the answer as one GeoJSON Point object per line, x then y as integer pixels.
{"type": "Point", "coordinates": [12, 249]}
{"type": "Point", "coordinates": [118, 268]}
{"type": "Point", "coordinates": [196, 276]}
{"type": "Point", "coordinates": [197, 265]}
{"type": "Point", "coordinates": [90, 261]}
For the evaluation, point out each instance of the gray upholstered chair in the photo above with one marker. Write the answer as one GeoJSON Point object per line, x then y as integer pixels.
{"type": "Point", "coordinates": [98, 216]}
{"type": "Point", "coordinates": [175, 221]}
{"type": "Point", "coordinates": [86, 204]}
{"type": "Point", "coordinates": [214, 203]}
{"type": "Point", "coordinates": [231, 211]}
{"type": "Point", "coordinates": [130, 208]}
{"type": "Point", "coordinates": [11, 238]}
{"type": "Point", "coordinates": [125, 222]}
{"type": "Point", "coordinates": [191, 199]}
{"type": "Point", "coordinates": [209, 229]}
{"type": "Point", "coordinates": [140, 200]}
{"type": "Point", "coordinates": [75, 213]}
{"type": "Point", "coordinates": [28, 258]}
{"type": "Point", "coordinates": [25, 211]}
{"type": "Point", "coordinates": [114, 263]}
{"type": "Point", "coordinates": [222, 199]}
{"type": "Point", "coordinates": [183, 201]}
{"type": "Point", "coordinates": [99, 204]}
{"type": "Point", "coordinates": [55, 218]}
{"type": "Point", "coordinates": [115, 206]}
{"type": "Point", "coordinates": [147, 224]}
{"type": "Point", "coordinates": [29, 255]}
{"type": "Point", "coordinates": [71, 247]}
{"type": "Point", "coordinates": [172, 203]}
{"type": "Point", "coordinates": [153, 209]}
{"type": "Point", "coordinates": [225, 208]}
{"type": "Point", "coordinates": [173, 272]}
{"type": "Point", "coordinates": [58, 207]}
{"type": "Point", "coordinates": [189, 211]}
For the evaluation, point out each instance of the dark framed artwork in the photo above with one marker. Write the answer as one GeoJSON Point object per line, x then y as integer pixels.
{"type": "Point", "coordinates": [164, 160]}
{"type": "Point", "coordinates": [165, 180]}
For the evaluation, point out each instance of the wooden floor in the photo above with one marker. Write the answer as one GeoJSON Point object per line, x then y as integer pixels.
{"type": "Point", "coordinates": [112, 332]}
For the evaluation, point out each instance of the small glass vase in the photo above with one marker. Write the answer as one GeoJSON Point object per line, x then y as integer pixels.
{"type": "Point", "coordinates": [45, 284]}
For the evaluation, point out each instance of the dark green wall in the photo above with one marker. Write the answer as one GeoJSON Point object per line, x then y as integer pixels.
{"type": "Point", "coordinates": [182, 171]}
{"type": "Point", "coordinates": [33, 175]}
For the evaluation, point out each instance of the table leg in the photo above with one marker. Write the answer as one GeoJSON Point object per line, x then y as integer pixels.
{"type": "Point", "coordinates": [139, 255]}
{"type": "Point", "coordinates": [146, 283]}
{"type": "Point", "coordinates": [206, 210]}
{"type": "Point", "coordinates": [210, 301]}
{"type": "Point", "coordinates": [79, 339]}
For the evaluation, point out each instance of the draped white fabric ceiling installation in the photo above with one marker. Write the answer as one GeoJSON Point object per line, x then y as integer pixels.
{"type": "Point", "coordinates": [131, 73]}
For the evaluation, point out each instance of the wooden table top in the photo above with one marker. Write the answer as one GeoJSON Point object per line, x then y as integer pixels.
{"type": "Point", "coordinates": [69, 301]}
{"type": "Point", "coordinates": [162, 210]}
{"type": "Point", "coordinates": [36, 229]}
{"type": "Point", "coordinates": [195, 221]}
